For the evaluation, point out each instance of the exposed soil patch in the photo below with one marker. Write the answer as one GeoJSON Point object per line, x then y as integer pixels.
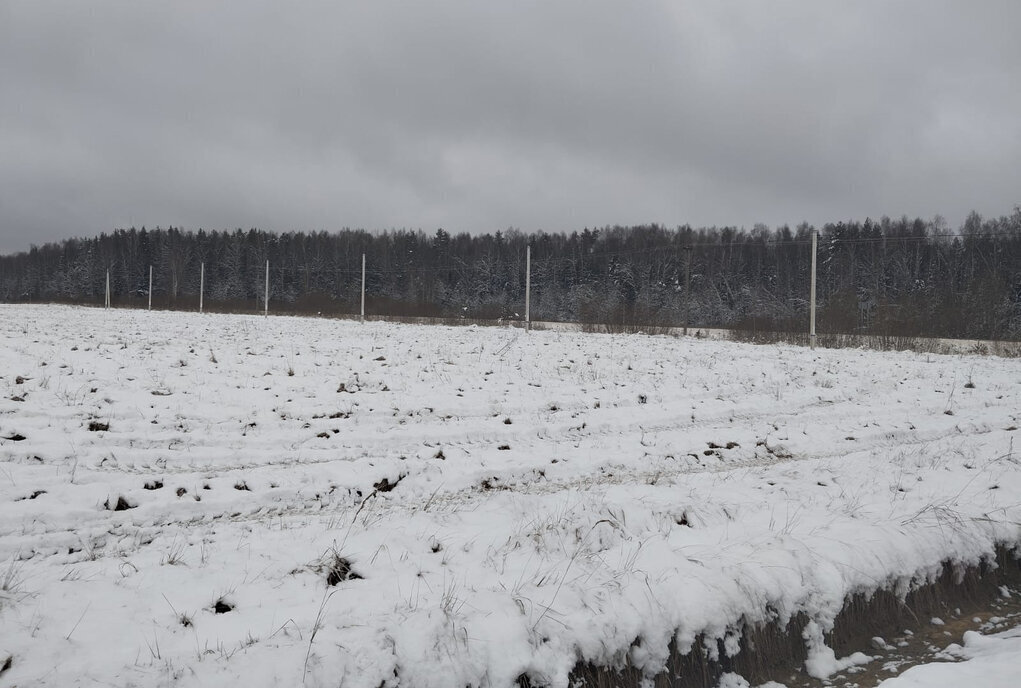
{"type": "Point", "coordinates": [121, 504]}
{"type": "Point", "coordinates": [385, 485]}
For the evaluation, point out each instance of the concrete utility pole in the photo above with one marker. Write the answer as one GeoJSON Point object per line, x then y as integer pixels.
{"type": "Point", "coordinates": [202, 285]}
{"type": "Point", "coordinates": [150, 287]}
{"type": "Point", "coordinates": [687, 287]}
{"type": "Point", "coordinates": [811, 298]}
{"type": "Point", "coordinates": [362, 318]}
{"type": "Point", "coordinates": [265, 300]}
{"type": "Point", "coordinates": [106, 301]}
{"type": "Point", "coordinates": [528, 288]}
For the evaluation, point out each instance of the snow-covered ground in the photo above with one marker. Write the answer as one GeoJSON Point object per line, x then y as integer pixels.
{"type": "Point", "coordinates": [989, 661]}
{"type": "Point", "coordinates": [176, 490]}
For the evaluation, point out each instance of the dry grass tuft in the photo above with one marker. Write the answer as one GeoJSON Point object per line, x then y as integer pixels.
{"type": "Point", "coordinates": [337, 568]}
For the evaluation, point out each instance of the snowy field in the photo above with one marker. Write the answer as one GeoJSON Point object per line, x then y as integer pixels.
{"type": "Point", "coordinates": [208, 500]}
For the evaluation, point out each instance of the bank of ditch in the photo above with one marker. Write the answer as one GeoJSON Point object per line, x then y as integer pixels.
{"type": "Point", "coordinates": [894, 629]}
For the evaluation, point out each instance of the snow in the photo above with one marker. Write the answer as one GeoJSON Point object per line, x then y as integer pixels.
{"type": "Point", "coordinates": [989, 661]}
{"type": "Point", "coordinates": [509, 503]}
{"type": "Point", "coordinates": [731, 680]}
{"type": "Point", "coordinates": [822, 662]}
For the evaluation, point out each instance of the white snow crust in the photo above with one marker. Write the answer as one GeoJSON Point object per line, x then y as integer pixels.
{"type": "Point", "coordinates": [558, 496]}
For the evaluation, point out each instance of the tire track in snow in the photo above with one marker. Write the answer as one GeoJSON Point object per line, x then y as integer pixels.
{"type": "Point", "coordinates": [49, 542]}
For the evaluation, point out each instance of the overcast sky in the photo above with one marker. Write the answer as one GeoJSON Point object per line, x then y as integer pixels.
{"type": "Point", "coordinates": [482, 115]}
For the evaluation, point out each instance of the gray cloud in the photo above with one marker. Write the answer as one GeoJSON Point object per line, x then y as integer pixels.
{"type": "Point", "coordinates": [477, 116]}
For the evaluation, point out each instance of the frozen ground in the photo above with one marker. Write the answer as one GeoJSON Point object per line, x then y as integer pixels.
{"type": "Point", "coordinates": [177, 491]}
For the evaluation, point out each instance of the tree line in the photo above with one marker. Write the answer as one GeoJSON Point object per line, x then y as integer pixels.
{"type": "Point", "coordinates": [904, 277]}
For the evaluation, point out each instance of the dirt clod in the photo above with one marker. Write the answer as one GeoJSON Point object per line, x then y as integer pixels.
{"type": "Point", "coordinates": [385, 485]}
{"type": "Point", "coordinates": [121, 504]}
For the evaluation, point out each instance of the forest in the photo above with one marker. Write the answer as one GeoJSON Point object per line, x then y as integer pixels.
{"type": "Point", "coordinates": [897, 277]}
